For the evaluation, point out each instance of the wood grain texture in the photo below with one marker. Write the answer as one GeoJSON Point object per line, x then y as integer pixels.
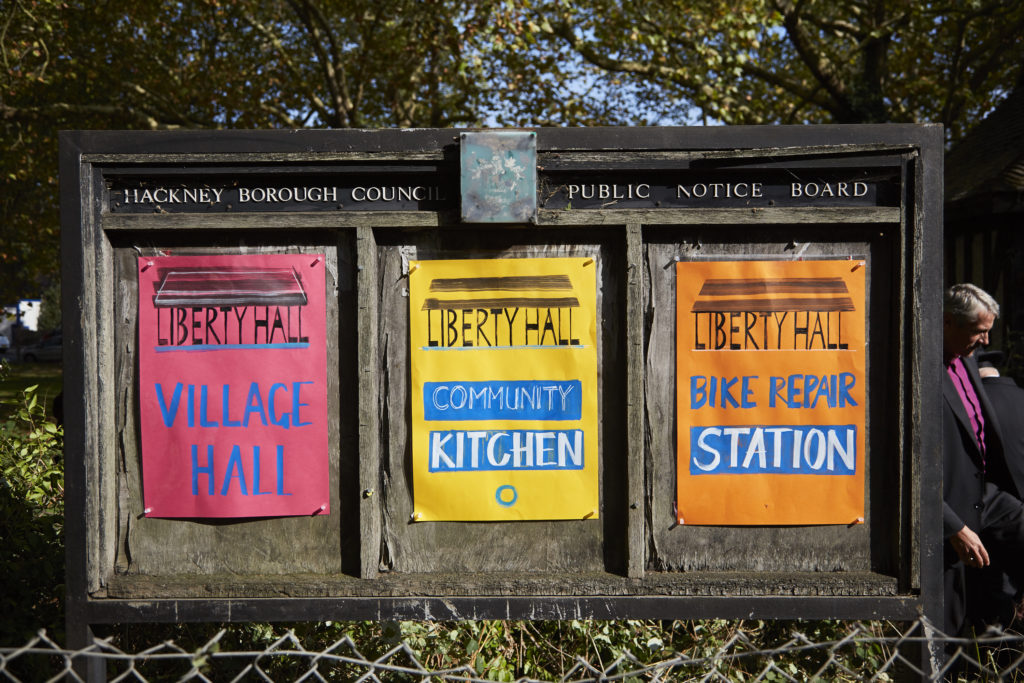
{"type": "Point", "coordinates": [673, 217]}
{"type": "Point", "coordinates": [290, 221]}
{"type": "Point", "coordinates": [265, 157]}
{"type": "Point", "coordinates": [93, 305]}
{"type": "Point", "coordinates": [674, 159]}
{"type": "Point", "coordinates": [532, 607]}
{"type": "Point", "coordinates": [407, 585]}
{"type": "Point", "coordinates": [635, 436]}
{"type": "Point", "coordinates": [368, 452]}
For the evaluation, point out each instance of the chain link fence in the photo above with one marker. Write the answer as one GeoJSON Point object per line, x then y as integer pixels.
{"type": "Point", "coordinates": [910, 651]}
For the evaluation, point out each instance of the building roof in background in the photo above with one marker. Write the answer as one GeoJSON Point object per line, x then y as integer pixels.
{"type": "Point", "coordinates": [990, 158]}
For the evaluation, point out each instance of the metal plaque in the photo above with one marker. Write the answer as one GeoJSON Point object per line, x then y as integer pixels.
{"type": "Point", "coordinates": [499, 177]}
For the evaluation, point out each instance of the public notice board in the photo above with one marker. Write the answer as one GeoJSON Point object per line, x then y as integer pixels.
{"type": "Point", "coordinates": [504, 402]}
{"type": "Point", "coordinates": [616, 373]}
{"type": "Point", "coordinates": [232, 396]}
{"type": "Point", "coordinates": [770, 392]}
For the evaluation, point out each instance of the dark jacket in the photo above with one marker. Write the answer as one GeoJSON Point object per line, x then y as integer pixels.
{"type": "Point", "coordinates": [964, 476]}
{"type": "Point", "coordinates": [1008, 400]}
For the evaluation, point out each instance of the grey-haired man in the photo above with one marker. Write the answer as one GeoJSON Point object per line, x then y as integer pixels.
{"type": "Point", "coordinates": [983, 516]}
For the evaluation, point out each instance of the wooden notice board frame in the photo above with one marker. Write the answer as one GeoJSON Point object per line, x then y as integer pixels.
{"type": "Point", "coordinates": [385, 197]}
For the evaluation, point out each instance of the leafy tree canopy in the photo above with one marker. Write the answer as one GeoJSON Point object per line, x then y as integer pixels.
{"type": "Point", "coordinates": [797, 61]}
{"type": "Point", "coordinates": [145, 64]}
{"type": "Point", "coordinates": [157, 64]}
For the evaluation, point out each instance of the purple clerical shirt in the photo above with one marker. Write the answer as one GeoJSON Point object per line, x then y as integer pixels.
{"type": "Point", "coordinates": [969, 397]}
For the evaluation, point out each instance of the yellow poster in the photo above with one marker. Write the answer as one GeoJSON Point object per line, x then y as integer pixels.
{"type": "Point", "coordinates": [504, 389]}
{"type": "Point", "coordinates": [770, 359]}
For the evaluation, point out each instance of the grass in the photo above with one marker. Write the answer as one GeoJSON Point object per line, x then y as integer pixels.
{"type": "Point", "coordinates": [16, 377]}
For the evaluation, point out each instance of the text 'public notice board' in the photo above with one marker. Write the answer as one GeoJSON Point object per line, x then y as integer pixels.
{"type": "Point", "coordinates": [232, 395]}
{"type": "Point", "coordinates": [504, 379]}
{"type": "Point", "coordinates": [770, 392]}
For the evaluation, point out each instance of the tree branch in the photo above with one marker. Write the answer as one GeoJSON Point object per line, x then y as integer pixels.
{"type": "Point", "coordinates": [819, 65]}
{"type": "Point", "coordinates": [280, 113]}
{"type": "Point", "coordinates": [57, 109]}
{"type": "Point", "coordinates": [337, 69]}
{"type": "Point", "coordinates": [327, 59]}
{"type": "Point", "coordinates": [318, 104]}
{"type": "Point", "coordinates": [566, 32]}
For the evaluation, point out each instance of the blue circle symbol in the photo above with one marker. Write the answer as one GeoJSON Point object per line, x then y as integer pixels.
{"type": "Point", "coordinates": [500, 497]}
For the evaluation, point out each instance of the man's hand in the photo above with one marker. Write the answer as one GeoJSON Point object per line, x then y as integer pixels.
{"type": "Point", "coordinates": [969, 548]}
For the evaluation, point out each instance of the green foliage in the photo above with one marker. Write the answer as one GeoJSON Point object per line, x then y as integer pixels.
{"type": "Point", "coordinates": [779, 61]}
{"type": "Point", "coordinates": [15, 378]}
{"type": "Point", "coordinates": [31, 521]}
{"type": "Point", "coordinates": [161, 64]}
{"type": "Point", "coordinates": [49, 309]}
{"type": "Point", "coordinates": [536, 650]}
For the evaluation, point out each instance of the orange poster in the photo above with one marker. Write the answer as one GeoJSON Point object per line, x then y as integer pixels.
{"type": "Point", "coordinates": [770, 395]}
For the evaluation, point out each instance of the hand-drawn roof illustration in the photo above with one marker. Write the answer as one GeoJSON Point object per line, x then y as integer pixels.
{"type": "Point", "coordinates": [226, 286]}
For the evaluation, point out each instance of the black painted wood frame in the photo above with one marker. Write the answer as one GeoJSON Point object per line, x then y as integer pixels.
{"type": "Point", "coordinates": [630, 567]}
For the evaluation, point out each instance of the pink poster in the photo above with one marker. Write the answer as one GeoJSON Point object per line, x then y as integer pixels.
{"type": "Point", "coordinates": [232, 385]}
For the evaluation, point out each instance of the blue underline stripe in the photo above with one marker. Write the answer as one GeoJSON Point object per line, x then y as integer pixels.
{"type": "Point", "coordinates": [230, 347]}
{"type": "Point", "coordinates": [499, 348]}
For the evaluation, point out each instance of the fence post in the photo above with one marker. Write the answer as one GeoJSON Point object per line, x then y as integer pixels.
{"type": "Point", "coordinates": [79, 638]}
